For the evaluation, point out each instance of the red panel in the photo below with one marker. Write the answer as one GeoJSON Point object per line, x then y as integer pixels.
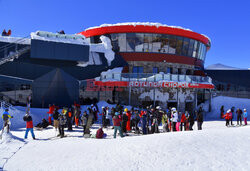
{"type": "Point", "coordinates": [160, 57]}
{"type": "Point", "coordinates": [145, 29]}
{"type": "Point", "coordinates": [165, 84]}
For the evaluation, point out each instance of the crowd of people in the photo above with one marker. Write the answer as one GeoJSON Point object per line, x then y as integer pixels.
{"type": "Point", "coordinates": [147, 120]}
{"type": "Point", "coordinates": [138, 121]}
{"type": "Point", "coordinates": [229, 116]}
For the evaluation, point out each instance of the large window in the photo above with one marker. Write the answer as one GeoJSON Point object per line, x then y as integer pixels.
{"type": "Point", "coordinates": [137, 69]}
{"type": "Point", "coordinates": [179, 45]}
{"type": "Point", "coordinates": [185, 47]}
{"type": "Point", "coordinates": [148, 42]}
{"type": "Point", "coordinates": [155, 70]}
{"type": "Point", "coordinates": [156, 43]}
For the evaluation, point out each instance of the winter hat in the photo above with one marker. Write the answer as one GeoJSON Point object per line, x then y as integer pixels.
{"type": "Point", "coordinates": [116, 113]}
{"type": "Point", "coordinates": [229, 110]}
{"type": "Point", "coordinates": [158, 107]}
{"type": "Point", "coordinates": [173, 109]}
{"type": "Point", "coordinates": [245, 110]}
{"type": "Point", "coordinates": [126, 109]}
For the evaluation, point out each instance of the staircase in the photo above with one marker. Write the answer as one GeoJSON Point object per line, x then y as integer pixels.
{"type": "Point", "coordinates": [13, 54]}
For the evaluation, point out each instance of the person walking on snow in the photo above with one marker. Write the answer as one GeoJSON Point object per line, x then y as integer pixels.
{"type": "Point", "coordinates": [200, 118]}
{"type": "Point", "coordinates": [183, 121]}
{"type": "Point", "coordinates": [117, 124]}
{"type": "Point", "coordinates": [245, 116]}
{"type": "Point", "coordinates": [174, 118]}
{"type": "Point", "coordinates": [29, 126]}
{"type": "Point", "coordinates": [128, 113]}
{"type": "Point", "coordinates": [55, 117]}
{"type": "Point", "coordinates": [6, 116]}
{"type": "Point", "coordinates": [62, 122]}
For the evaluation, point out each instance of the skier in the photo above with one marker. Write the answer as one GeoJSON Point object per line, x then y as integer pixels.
{"type": "Point", "coordinates": [95, 111]}
{"type": "Point", "coordinates": [227, 116]}
{"type": "Point", "coordinates": [245, 116]}
{"type": "Point", "coordinates": [62, 122]}
{"type": "Point", "coordinates": [77, 113]}
{"type": "Point", "coordinates": [29, 126]}
{"type": "Point", "coordinates": [84, 119]}
{"type": "Point", "coordinates": [5, 118]}
{"type": "Point", "coordinates": [239, 117]}
{"type": "Point", "coordinates": [117, 124]}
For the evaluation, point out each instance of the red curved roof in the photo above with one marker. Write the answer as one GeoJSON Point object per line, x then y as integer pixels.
{"type": "Point", "coordinates": [145, 29]}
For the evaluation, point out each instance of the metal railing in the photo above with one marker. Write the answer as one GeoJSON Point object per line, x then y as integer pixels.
{"type": "Point", "coordinates": [151, 77]}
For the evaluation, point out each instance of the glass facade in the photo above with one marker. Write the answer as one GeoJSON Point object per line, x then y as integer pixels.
{"type": "Point", "coordinates": [156, 43]}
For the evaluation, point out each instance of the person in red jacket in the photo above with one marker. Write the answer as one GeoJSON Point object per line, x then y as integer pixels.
{"type": "Point", "coordinates": [50, 112]}
{"type": "Point", "coordinates": [228, 117]}
{"type": "Point", "coordinates": [183, 121]}
{"type": "Point", "coordinates": [128, 113]}
{"type": "Point", "coordinates": [29, 126]}
{"type": "Point", "coordinates": [117, 124]}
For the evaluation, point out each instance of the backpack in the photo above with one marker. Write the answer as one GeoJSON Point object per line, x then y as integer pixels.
{"type": "Point", "coordinates": [99, 133]}
{"type": "Point", "coordinates": [5, 117]}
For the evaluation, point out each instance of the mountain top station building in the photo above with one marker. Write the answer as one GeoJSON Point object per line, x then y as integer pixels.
{"type": "Point", "coordinates": [130, 63]}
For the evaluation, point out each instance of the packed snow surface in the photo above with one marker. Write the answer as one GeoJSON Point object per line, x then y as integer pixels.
{"type": "Point", "coordinates": [216, 147]}
{"type": "Point", "coordinates": [19, 40]}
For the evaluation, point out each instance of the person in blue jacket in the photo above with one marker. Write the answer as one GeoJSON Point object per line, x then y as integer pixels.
{"type": "Point", "coordinates": [5, 118]}
{"type": "Point", "coordinates": [245, 116]}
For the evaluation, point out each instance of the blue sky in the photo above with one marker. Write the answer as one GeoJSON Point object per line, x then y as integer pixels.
{"type": "Point", "coordinates": [226, 22]}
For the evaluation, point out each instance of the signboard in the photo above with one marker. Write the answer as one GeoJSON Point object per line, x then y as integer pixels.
{"type": "Point", "coordinates": [163, 84]}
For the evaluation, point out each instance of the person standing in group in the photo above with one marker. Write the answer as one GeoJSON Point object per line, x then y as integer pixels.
{"type": "Point", "coordinates": [103, 117]}
{"type": "Point", "coordinates": [117, 124]}
{"type": "Point", "coordinates": [6, 116]}
{"type": "Point", "coordinates": [69, 115]}
{"type": "Point", "coordinates": [62, 122]}
{"type": "Point", "coordinates": [55, 117]}
{"type": "Point", "coordinates": [174, 118]}
{"type": "Point", "coordinates": [128, 126]}
{"type": "Point", "coordinates": [29, 126]}
{"type": "Point", "coordinates": [183, 121]}
{"type": "Point", "coordinates": [165, 122]}
{"type": "Point", "coordinates": [232, 111]}
{"type": "Point", "coordinates": [222, 112]}
{"type": "Point", "coordinates": [84, 120]}
{"type": "Point", "coordinates": [239, 116]}
{"type": "Point", "coordinates": [245, 116]}
{"type": "Point", "coordinates": [227, 117]}
{"type": "Point", "coordinates": [200, 118]}
{"type": "Point", "coordinates": [191, 120]}
{"type": "Point", "coordinates": [124, 122]}
{"type": "Point", "coordinates": [50, 112]}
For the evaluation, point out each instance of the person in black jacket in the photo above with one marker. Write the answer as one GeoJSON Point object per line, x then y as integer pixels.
{"type": "Point", "coordinates": [239, 116]}
{"type": "Point", "coordinates": [124, 122]}
{"type": "Point", "coordinates": [55, 117]}
{"type": "Point", "coordinates": [191, 120]}
{"type": "Point", "coordinates": [200, 118]}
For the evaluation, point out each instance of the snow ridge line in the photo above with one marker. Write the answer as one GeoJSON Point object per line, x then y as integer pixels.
{"type": "Point", "coordinates": [7, 159]}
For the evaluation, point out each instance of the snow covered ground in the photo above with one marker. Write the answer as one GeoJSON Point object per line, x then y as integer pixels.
{"type": "Point", "coordinates": [216, 147]}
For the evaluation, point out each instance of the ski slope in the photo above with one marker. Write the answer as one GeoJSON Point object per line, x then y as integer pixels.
{"type": "Point", "coordinates": [216, 147]}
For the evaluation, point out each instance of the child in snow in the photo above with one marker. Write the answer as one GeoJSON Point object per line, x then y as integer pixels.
{"type": "Point", "coordinates": [117, 124]}
{"type": "Point", "coordinates": [245, 116]}
{"type": "Point", "coordinates": [29, 126]}
{"type": "Point", "coordinates": [227, 116]}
